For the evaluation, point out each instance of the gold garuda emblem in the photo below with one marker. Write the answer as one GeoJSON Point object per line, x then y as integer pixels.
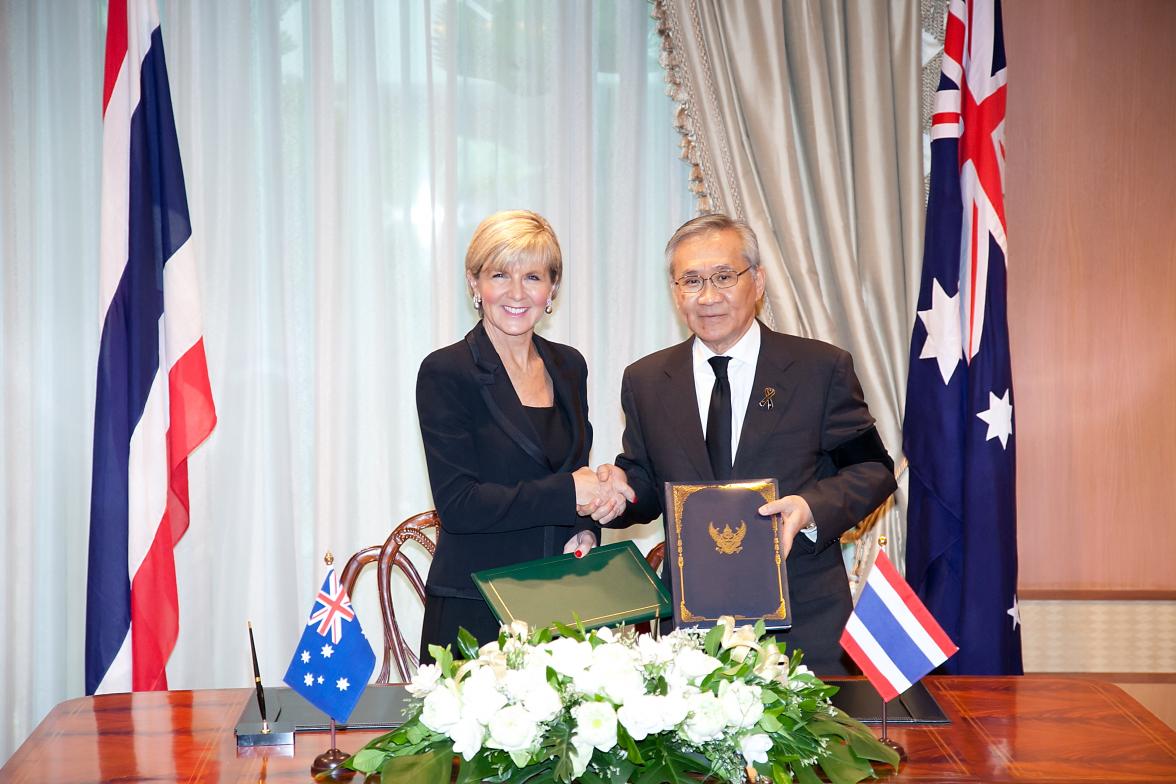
{"type": "Point", "coordinates": [728, 542]}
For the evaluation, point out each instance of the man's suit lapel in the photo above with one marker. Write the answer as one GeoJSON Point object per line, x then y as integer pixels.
{"type": "Point", "coordinates": [499, 394]}
{"type": "Point", "coordinates": [681, 406]}
{"type": "Point", "coordinates": [760, 422]}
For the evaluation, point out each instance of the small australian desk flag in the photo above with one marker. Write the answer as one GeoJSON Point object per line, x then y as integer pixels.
{"type": "Point", "coordinates": [333, 661]}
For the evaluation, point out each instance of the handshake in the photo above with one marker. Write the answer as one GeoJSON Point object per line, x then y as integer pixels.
{"type": "Point", "coordinates": [602, 494]}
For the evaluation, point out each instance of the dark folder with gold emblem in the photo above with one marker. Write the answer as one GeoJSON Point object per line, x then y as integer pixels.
{"type": "Point", "coordinates": [726, 557]}
{"type": "Point", "coordinates": [612, 584]}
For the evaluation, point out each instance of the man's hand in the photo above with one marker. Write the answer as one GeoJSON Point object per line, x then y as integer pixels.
{"type": "Point", "coordinates": [608, 497]}
{"type": "Point", "coordinates": [795, 513]}
{"type": "Point", "coordinates": [580, 544]}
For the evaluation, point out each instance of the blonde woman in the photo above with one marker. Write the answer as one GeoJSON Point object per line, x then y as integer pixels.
{"type": "Point", "coordinates": [504, 421]}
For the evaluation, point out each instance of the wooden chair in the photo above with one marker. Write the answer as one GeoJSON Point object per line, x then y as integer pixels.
{"type": "Point", "coordinates": [422, 529]}
{"type": "Point", "coordinates": [656, 555]}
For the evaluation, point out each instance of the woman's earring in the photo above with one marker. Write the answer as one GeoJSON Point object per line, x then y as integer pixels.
{"type": "Point", "coordinates": [547, 309]}
{"type": "Point", "coordinates": [477, 301]}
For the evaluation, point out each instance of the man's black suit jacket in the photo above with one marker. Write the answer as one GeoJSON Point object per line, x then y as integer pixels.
{"type": "Point", "coordinates": [499, 499]}
{"type": "Point", "coordinates": [817, 440]}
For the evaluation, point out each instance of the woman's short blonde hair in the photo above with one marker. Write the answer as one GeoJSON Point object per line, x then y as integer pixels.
{"type": "Point", "coordinates": [513, 236]}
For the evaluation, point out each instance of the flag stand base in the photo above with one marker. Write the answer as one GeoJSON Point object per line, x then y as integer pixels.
{"type": "Point", "coordinates": [897, 747]}
{"type": "Point", "coordinates": [328, 766]}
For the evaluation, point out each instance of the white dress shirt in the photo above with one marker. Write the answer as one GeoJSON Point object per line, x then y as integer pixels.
{"type": "Point", "coordinates": [740, 375]}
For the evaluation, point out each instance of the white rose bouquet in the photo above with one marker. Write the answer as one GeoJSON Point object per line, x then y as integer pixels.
{"type": "Point", "coordinates": [605, 707]}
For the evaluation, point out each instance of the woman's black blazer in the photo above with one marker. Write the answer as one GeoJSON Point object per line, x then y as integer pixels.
{"type": "Point", "coordinates": [499, 499]}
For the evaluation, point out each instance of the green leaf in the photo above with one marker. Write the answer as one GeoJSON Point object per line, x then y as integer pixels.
{"type": "Point", "coordinates": [713, 640]}
{"type": "Point", "coordinates": [842, 767]}
{"type": "Point", "coordinates": [589, 777]}
{"type": "Point", "coordinates": [865, 744]}
{"type": "Point", "coordinates": [367, 761]}
{"type": "Point", "coordinates": [415, 733]}
{"type": "Point", "coordinates": [444, 659]}
{"type": "Point", "coordinates": [474, 771]}
{"type": "Point", "coordinates": [769, 723]}
{"type": "Point", "coordinates": [760, 629]}
{"type": "Point", "coordinates": [782, 774]}
{"type": "Point", "coordinates": [467, 643]}
{"type": "Point", "coordinates": [667, 771]}
{"type": "Point", "coordinates": [568, 631]}
{"type": "Point", "coordinates": [630, 746]}
{"type": "Point", "coordinates": [623, 773]}
{"type": "Point", "coordinates": [806, 775]}
{"type": "Point", "coordinates": [433, 767]}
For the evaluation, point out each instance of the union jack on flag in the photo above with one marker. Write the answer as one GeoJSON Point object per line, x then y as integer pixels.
{"type": "Point", "coordinates": [333, 660]}
{"type": "Point", "coordinates": [958, 426]}
{"type": "Point", "coordinates": [335, 608]}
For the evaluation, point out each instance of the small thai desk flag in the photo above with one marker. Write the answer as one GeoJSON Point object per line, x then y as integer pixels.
{"type": "Point", "coordinates": [333, 661]}
{"type": "Point", "coordinates": [891, 635]}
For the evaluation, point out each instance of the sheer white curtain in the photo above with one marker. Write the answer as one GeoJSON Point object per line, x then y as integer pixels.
{"type": "Point", "coordinates": [338, 156]}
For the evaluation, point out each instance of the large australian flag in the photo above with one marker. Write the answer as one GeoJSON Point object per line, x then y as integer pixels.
{"type": "Point", "coordinates": [333, 660]}
{"type": "Point", "coordinates": [958, 429]}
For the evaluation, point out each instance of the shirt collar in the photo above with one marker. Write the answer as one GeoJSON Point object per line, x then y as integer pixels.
{"type": "Point", "coordinates": [746, 349]}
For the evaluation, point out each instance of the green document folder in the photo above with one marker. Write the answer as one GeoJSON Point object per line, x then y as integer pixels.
{"type": "Point", "coordinates": [611, 585]}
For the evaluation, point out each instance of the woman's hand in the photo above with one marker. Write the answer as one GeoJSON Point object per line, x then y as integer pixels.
{"type": "Point", "coordinates": [580, 543]}
{"type": "Point", "coordinates": [606, 499]}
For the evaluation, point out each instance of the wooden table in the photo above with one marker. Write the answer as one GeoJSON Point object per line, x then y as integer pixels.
{"type": "Point", "coordinates": [1030, 729]}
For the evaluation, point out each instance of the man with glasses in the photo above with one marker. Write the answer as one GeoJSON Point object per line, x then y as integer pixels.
{"type": "Point", "coordinates": [739, 401]}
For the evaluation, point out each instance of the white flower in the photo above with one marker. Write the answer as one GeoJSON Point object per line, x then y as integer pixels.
{"type": "Point", "coordinates": [793, 683]}
{"type": "Point", "coordinates": [655, 652]}
{"type": "Point", "coordinates": [512, 729]}
{"type": "Point", "coordinates": [480, 696]}
{"type": "Point", "coordinates": [467, 735]}
{"type": "Point", "coordinates": [517, 628]}
{"type": "Point", "coordinates": [740, 641]}
{"type": "Point", "coordinates": [742, 703]}
{"type": "Point", "coordinates": [581, 755]}
{"type": "Point", "coordinates": [604, 634]}
{"type": "Point", "coordinates": [613, 673]}
{"type": "Point", "coordinates": [649, 714]}
{"type": "Point", "coordinates": [706, 720]}
{"type": "Point", "coordinates": [442, 707]}
{"type": "Point", "coordinates": [768, 665]}
{"type": "Point", "coordinates": [568, 657]}
{"type": "Point", "coordinates": [596, 724]}
{"type": "Point", "coordinates": [754, 748]}
{"type": "Point", "coordinates": [529, 686]}
{"type": "Point", "coordinates": [691, 666]}
{"type": "Point", "coordinates": [492, 656]}
{"type": "Point", "coordinates": [426, 679]}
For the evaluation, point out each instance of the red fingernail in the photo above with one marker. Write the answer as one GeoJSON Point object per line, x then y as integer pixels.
{"type": "Point", "coordinates": [579, 553]}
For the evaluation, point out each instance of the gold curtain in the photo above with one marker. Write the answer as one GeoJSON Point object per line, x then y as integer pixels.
{"type": "Point", "coordinates": [803, 118]}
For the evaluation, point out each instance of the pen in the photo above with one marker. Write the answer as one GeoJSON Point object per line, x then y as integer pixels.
{"type": "Point", "coordinates": [265, 728]}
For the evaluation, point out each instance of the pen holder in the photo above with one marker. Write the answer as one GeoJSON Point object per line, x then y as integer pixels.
{"type": "Point", "coordinates": [253, 734]}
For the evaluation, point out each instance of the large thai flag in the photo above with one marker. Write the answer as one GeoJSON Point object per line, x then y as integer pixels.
{"type": "Point", "coordinates": [958, 428]}
{"type": "Point", "coordinates": [153, 404]}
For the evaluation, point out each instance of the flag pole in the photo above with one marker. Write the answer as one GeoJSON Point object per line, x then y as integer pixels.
{"type": "Point", "coordinates": [328, 766]}
{"type": "Point", "coordinates": [886, 739]}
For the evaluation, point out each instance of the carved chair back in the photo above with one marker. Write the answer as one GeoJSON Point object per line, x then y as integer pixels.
{"type": "Point", "coordinates": [389, 557]}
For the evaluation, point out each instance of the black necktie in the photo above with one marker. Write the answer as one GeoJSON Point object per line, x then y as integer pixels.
{"type": "Point", "coordinates": [718, 420]}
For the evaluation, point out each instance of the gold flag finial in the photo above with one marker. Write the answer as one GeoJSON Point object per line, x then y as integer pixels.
{"type": "Point", "coordinates": [882, 540]}
{"type": "Point", "coordinates": [329, 558]}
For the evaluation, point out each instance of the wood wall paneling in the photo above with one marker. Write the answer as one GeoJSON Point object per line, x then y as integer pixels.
{"type": "Point", "coordinates": [1091, 205]}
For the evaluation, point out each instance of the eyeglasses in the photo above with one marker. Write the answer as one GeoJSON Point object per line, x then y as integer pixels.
{"type": "Point", "coordinates": [724, 279]}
